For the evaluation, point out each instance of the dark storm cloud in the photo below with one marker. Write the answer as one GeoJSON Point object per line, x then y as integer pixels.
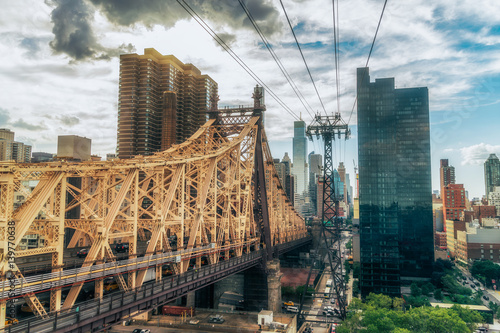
{"type": "Point", "coordinates": [73, 33]}
{"type": "Point", "coordinates": [22, 124]}
{"type": "Point", "coordinates": [167, 13]}
{"type": "Point", "coordinates": [73, 29]}
{"type": "Point", "coordinates": [73, 20]}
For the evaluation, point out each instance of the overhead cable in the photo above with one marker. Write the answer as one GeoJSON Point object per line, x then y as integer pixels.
{"type": "Point", "coordinates": [368, 60]}
{"type": "Point", "coordinates": [226, 47]}
{"type": "Point", "coordinates": [300, 96]}
{"type": "Point", "coordinates": [302, 54]}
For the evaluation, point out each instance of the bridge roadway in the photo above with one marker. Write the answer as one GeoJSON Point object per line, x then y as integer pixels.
{"type": "Point", "coordinates": [116, 307]}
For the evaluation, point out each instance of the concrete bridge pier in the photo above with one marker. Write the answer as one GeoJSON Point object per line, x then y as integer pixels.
{"type": "Point", "coordinates": [274, 286]}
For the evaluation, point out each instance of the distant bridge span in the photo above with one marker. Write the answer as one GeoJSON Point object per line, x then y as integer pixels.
{"type": "Point", "coordinates": [219, 189]}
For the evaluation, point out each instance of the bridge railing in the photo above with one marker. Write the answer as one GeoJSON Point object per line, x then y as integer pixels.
{"type": "Point", "coordinates": [176, 285]}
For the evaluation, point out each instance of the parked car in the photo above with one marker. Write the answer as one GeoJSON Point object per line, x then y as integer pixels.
{"type": "Point", "coordinates": [82, 253]}
{"type": "Point", "coordinates": [486, 297]}
{"type": "Point", "coordinates": [138, 330]}
{"type": "Point", "coordinates": [216, 319]}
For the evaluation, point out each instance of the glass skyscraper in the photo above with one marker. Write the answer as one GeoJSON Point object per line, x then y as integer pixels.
{"type": "Point", "coordinates": [491, 173]}
{"type": "Point", "coordinates": [299, 169]}
{"type": "Point", "coordinates": [395, 192]}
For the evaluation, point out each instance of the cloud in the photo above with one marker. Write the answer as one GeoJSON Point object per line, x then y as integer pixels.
{"type": "Point", "coordinates": [69, 120]}
{"type": "Point", "coordinates": [22, 124]}
{"type": "Point", "coordinates": [74, 34]}
{"type": "Point", "coordinates": [477, 154]}
{"type": "Point", "coordinates": [74, 21]}
{"type": "Point", "coordinates": [32, 45]}
{"type": "Point", "coordinates": [4, 117]}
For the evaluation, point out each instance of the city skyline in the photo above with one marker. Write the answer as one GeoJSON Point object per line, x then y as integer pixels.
{"type": "Point", "coordinates": [66, 88]}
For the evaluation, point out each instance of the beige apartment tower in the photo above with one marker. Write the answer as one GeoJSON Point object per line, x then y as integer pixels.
{"type": "Point", "coordinates": [162, 101]}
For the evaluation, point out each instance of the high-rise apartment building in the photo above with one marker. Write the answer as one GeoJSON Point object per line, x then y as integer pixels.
{"type": "Point", "coordinates": [162, 101]}
{"type": "Point", "coordinates": [21, 152]}
{"type": "Point", "coordinates": [446, 173]}
{"type": "Point", "coordinates": [395, 191]}
{"type": "Point", "coordinates": [454, 200]}
{"type": "Point", "coordinates": [491, 173]}
{"type": "Point", "coordinates": [12, 150]}
{"type": "Point", "coordinates": [6, 134]}
{"type": "Point", "coordinates": [494, 199]}
{"type": "Point", "coordinates": [299, 169]}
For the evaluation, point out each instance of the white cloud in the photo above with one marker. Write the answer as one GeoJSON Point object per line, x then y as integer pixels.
{"type": "Point", "coordinates": [477, 154]}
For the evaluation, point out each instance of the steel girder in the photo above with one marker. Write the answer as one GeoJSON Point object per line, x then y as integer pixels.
{"type": "Point", "coordinates": [200, 191]}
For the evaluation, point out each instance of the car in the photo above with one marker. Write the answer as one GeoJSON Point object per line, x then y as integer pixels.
{"type": "Point", "coordinates": [10, 321]}
{"type": "Point", "coordinates": [121, 247]}
{"type": "Point", "coordinates": [217, 319]}
{"type": "Point", "coordinates": [82, 253]}
{"type": "Point", "coordinates": [486, 297]}
{"type": "Point", "coordinates": [289, 303]}
{"type": "Point", "coordinates": [109, 284]}
{"type": "Point", "coordinates": [138, 330]}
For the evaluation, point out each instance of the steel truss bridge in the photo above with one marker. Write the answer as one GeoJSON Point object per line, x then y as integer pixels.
{"type": "Point", "coordinates": [218, 193]}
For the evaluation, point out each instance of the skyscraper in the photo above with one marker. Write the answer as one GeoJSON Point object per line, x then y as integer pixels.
{"type": "Point", "coordinates": [395, 202]}
{"type": "Point", "coordinates": [162, 101]}
{"type": "Point", "coordinates": [315, 167]}
{"type": "Point", "coordinates": [491, 173]}
{"type": "Point", "coordinates": [446, 173]}
{"type": "Point", "coordinates": [288, 179]}
{"type": "Point", "coordinates": [299, 169]}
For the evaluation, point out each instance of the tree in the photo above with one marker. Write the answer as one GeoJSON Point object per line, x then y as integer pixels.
{"type": "Point", "coordinates": [438, 294]}
{"type": "Point", "coordinates": [486, 268]}
{"type": "Point", "coordinates": [356, 270]}
{"type": "Point", "coordinates": [415, 290]}
{"type": "Point", "coordinates": [471, 318]}
{"type": "Point", "coordinates": [287, 291]}
{"type": "Point", "coordinates": [427, 288]}
{"type": "Point", "coordinates": [380, 301]}
{"type": "Point", "coordinates": [450, 284]}
{"type": "Point", "coordinates": [377, 316]}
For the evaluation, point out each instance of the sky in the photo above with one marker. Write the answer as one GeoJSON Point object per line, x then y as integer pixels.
{"type": "Point", "coordinates": [59, 66]}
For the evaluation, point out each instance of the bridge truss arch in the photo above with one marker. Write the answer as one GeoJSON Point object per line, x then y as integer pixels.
{"type": "Point", "coordinates": [217, 189]}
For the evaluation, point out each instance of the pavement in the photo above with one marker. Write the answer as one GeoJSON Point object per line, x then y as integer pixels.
{"type": "Point", "coordinates": [233, 322]}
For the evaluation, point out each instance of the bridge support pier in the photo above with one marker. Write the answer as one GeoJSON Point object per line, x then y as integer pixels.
{"type": "Point", "coordinates": [274, 286]}
{"type": "Point", "coordinates": [190, 299]}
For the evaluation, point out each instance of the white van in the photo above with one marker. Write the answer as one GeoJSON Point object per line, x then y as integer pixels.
{"type": "Point", "coordinates": [292, 309]}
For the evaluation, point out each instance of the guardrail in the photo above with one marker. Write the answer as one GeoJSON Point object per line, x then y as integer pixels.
{"type": "Point", "coordinates": [71, 276]}
{"type": "Point", "coordinates": [93, 315]}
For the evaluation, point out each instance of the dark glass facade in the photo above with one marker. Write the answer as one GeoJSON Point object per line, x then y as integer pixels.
{"type": "Point", "coordinates": [395, 192]}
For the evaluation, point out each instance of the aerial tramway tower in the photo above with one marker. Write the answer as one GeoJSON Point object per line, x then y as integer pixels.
{"type": "Point", "coordinates": [330, 128]}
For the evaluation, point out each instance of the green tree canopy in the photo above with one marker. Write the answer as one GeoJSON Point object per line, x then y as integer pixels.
{"type": "Point", "coordinates": [377, 315]}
